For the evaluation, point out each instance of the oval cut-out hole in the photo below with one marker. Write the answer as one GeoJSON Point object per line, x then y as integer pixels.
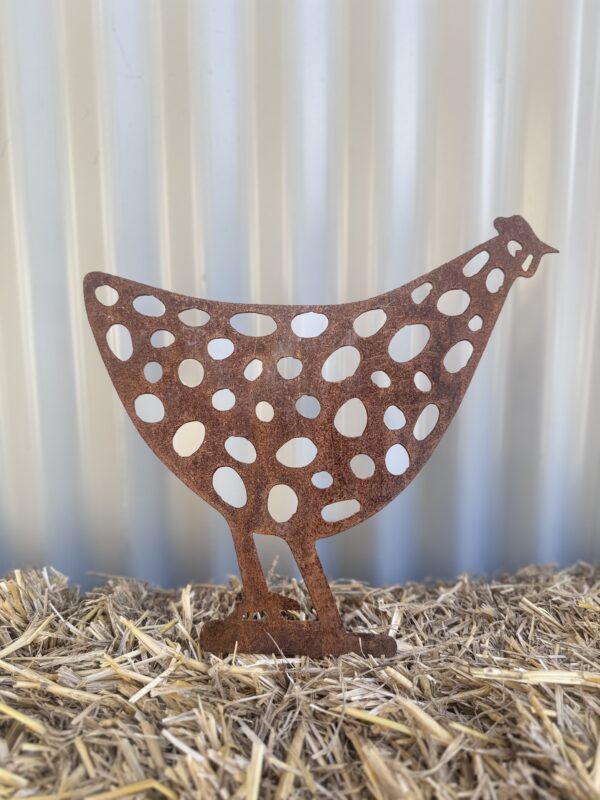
{"type": "Point", "coordinates": [308, 406]}
{"type": "Point", "coordinates": [514, 247]}
{"type": "Point", "coordinates": [162, 339]}
{"type": "Point", "coordinates": [191, 372]}
{"type": "Point", "coordinates": [264, 411]}
{"type": "Point", "coordinates": [220, 348]}
{"type": "Point", "coordinates": [476, 263]}
{"type": "Point", "coordinates": [153, 371]}
{"type": "Point", "coordinates": [230, 487]}
{"type": "Point", "coordinates": [309, 324]}
{"type": "Point", "coordinates": [475, 323]}
{"type": "Point", "coordinates": [241, 449]}
{"type": "Point", "coordinates": [297, 452]}
{"type": "Point", "coordinates": [381, 379]}
{"type": "Point", "coordinates": [494, 280]}
{"type": "Point", "coordinates": [426, 422]}
{"type": "Point", "coordinates": [282, 503]}
{"type": "Point", "coordinates": [342, 509]}
{"type": "Point", "coordinates": [253, 369]}
{"type": "Point", "coordinates": [251, 323]}
{"type": "Point", "coordinates": [351, 418]}
{"type": "Point", "coordinates": [453, 302]}
{"type": "Point", "coordinates": [194, 317]}
{"type": "Point", "coordinates": [149, 408]}
{"type": "Point", "coordinates": [362, 466]}
{"type": "Point", "coordinates": [119, 342]}
{"type": "Point", "coordinates": [397, 460]}
{"type": "Point", "coordinates": [393, 418]}
{"type": "Point", "coordinates": [289, 367]}
{"type": "Point", "coordinates": [368, 323]}
{"type": "Point", "coordinates": [341, 364]}
{"type": "Point", "coordinates": [527, 263]}
{"type": "Point", "coordinates": [408, 342]}
{"type": "Point", "coordinates": [223, 400]}
{"type": "Point", "coordinates": [421, 293]}
{"type": "Point", "coordinates": [322, 480]}
{"type": "Point", "coordinates": [422, 382]}
{"type": "Point", "coordinates": [106, 295]}
{"type": "Point", "coordinates": [458, 356]}
{"type": "Point", "coordinates": [149, 306]}
{"type": "Point", "coordinates": [188, 438]}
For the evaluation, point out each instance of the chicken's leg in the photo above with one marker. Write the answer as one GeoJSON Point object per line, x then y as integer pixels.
{"type": "Point", "coordinates": [256, 599]}
{"type": "Point", "coordinates": [257, 624]}
{"type": "Point", "coordinates": [316, 582]}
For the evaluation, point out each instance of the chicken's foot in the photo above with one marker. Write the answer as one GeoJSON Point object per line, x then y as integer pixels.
{"type": "Point", "coordinates": [258, 624]}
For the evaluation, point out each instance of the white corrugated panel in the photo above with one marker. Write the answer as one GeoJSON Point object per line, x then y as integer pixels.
{"type": "Point", "coordinates": [303, 152]}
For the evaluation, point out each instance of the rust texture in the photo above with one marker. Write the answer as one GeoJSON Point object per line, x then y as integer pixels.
{"type": "Point", "coordinates": [350, 402]}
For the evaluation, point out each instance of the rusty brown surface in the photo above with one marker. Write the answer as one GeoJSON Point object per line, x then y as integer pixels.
{"type": "Point", "coordinates": [329, 449]}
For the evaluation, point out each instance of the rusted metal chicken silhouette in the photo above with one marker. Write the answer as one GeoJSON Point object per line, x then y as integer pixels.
{"type": "Point", "coordinates": [307, 423]}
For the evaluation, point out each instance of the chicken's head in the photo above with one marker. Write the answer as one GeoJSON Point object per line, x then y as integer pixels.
{"type": "Point", "coordinates": [522, 244]}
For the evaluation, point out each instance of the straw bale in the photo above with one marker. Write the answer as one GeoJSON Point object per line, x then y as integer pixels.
{"type": "Point", "coordinates": [494, 693]}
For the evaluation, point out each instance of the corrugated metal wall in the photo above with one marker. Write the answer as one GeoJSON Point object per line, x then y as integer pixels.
{"type": "Point", "coordinates": [307, 151]}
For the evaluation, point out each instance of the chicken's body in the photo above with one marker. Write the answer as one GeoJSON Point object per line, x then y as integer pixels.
{"type": "Point", "coordinates": [369, 451]}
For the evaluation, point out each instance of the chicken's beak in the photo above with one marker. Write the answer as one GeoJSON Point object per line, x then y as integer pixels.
{"type": "Point", "coordinates": [545, 249]}
{"type": "Point", "coordinates": [531, 264]}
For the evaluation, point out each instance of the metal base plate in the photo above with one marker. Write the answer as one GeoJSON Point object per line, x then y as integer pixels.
{"type": "Point", "coordinates": [290, 638]}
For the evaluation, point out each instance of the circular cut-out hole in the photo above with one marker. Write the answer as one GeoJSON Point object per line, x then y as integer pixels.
{"type": "Point", "coordinates": [194, 317]}
{"type": "Point", "coordinates": [309, 324]}
{"type": "Point", "coordinates": [149, 408]}
{"type": "Point", "coordinates": [341, 364]}
{"type": "Point", "coordinates": [282, 503]}
{"type": "Point", "coordinates": [253, 369]}
{"type": "Point", "coordinates": [381, 379]}
{"type": "Point", "coordinates": [241, 449]}
{"type": "Point", "coordinates": [421, 293]}
{"type": "Point", "coordinates": [476, 263]}
{"type": "Point", "coordinates": [422, 382]}
{"type": "Point", "coordinates": [230, 487]}
{"type": "Point", "coordinates": [525, 266]}
{"type": "Point", "coordinates": [408, 342]}
{"type": "Point", "coordinates": [220, 348]}
{"type": "Point", "coordinates": [251, 323]}
{"type": "Point", "coordinates": [458, 356]}
{"type": "Point", "coordinates": [397, 460]}
{"type": "Point", "coordinates": [297, 452]}
{"type": "Point", "coordinates": [191, 372]}
{"type": "Point", "coordinates": [351, 418]}
{"type": "Point", "coordinates": [369, 322]}
{"type": "Point", "coordinates": [494, 280]}
{"type": "Point", "coordinates": [188, 438]}
{"type": "Point", "coordinates": [514, 247]}
{"type": "Point", "coordinates": [393, 418]}
{"type": "Point", "coordinates": [308, 406]}
{"type": "Point", "coordinates": [153, 371]}
{"type": "Point", "coordinates": [362, 466]}
{"type": "Point", "coordinates": [322, 480]}
{"type": "Point", "coordinates": [453, 302]}
{"type": "Point", "coordinates": [289, 367]}
{"type": "Point", "coordinates": [264, 411]}
{"type": "Point", "coordinates": [106, 295]}
{"type": "Point", "coordinates": [223, 400]}
{"type": "Point", "coordinates": [426, 422]}
{"type": "Point", "coordinates": [475, 323]}
{"type": "Point", "coordinates": [119, 342]}
{"type": "Point", "coordinates": [162, 339]}
{"type": "Point", "coordinates": [342, 509]}
{"type": "Point", "coordinates": [149, 306]}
